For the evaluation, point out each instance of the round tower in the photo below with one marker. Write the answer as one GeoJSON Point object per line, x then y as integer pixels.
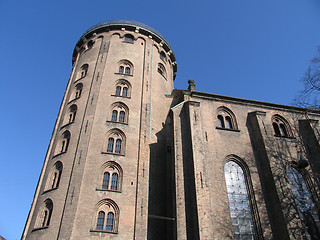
{"type": "Point", "coordinates": [95, 179]}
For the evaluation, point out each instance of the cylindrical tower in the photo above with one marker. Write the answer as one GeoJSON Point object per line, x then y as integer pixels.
{"type": "Point", "coordinates": [95, 179]}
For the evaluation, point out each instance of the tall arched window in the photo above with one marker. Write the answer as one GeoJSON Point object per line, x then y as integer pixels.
{"type": "Point", "coordinates": [112, 177]}
{"type": "Point", "coordinates": [44, 214]}
{"type": "Point", "coordinates": [107, 222]}
{"type": "Point", "coordinates": [304, 202]}
{"type": "Point", "coordinates": [110, 145]}
{"type": "Point", "coordinates": [239, 201]}
{"type": "Point", "coordinates": [226, 119]}
{"type": "Point", "coordinates": [54, 176]}
{"type": "Point", "coordinates": [280, 126]}
{"type": "Point", "coordinates": [117, 148]}
{"type": "Point", "coordinates": [76, 92]}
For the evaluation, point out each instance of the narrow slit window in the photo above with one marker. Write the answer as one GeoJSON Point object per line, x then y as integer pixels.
{"type": "Point", "coordinates": [221, 121]}
{"type": "Point", "coordinates": [110, 145]}
{"type": "Point", "coordinates": [124, 92]}
{"type": "Point", "coordinates": [114, 181]}
{"type": "Point", "coordinates": [114, 115]}
{"type": "Point", "coordinates": [118, 91]}
{"type": "Point", "coordinates": [127, 71]}
{"type": "Point", "coordinates": [100, 220]}
{"type": "Point", "coordinates": [118, 146]}
{"type": "Point", "coordinates": [121, 116]}
{"type": "Point", "coordinates": [110, 220]}
{"type": "Point", "coordinates": [105, 182]}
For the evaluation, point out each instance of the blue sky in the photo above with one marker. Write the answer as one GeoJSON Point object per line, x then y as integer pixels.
{"type": "Point", "coordinates": [249, 49]}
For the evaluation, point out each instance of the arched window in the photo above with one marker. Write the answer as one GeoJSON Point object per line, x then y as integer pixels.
{"type": "Point", "coordinates": [124, 91]}
{"type": "Point", "coordinates": [238, 183]}
{"type": "Point", "coordinates": [112, 176]}
{"type": "Point", "coordinates": [226, 119]}
{"type": "Point", "coordinates": [128, 38]}
{"type": "Point", "coordinates": [110, 221]}
{"type": "Point", "coordinates": [119, 112]}
{"type": "Point", "coordinates": [117, 148]}
{"type": "Point", "coordinates": [78, 90]}
{"type": "Point", "coordinates": [122, 116]}
{"type": "Point", "coordinates": [123, 88]}
{"type": "Point", "coordinates": [71, 115]}
{"type": "Point", "coordinates": [110, 145]}
{"type": "Point", "coordinates": [114, 181]}
{"type": "Point", "coordinates": [304, 202]}
{"type": "Point", "coordinates": [163, 56]}
{"type": "Point", "coordinates": [114, 117]}
{"type": "Point", "coordinates": [100, 220]}
{"type": "Point", "coordinates": [162, 70]}
{"type": "Point", "coordinates": [63, 143]}
{"type": "Point", "coordinates": [116, 142]}
{"type": "Point", "coordinates": [127, 71]}
{"type": "Point", "coordinates": [280, 126]}
{"type": "Point", "coordinates": [118, 91]}
{"type": "Point", "coordinates": [125, 67]}
{"type": "Point", "coordinates": [90, 44]}
{"type": "Point", "coordinates": [44, 214]}
{"type": "Point", "coordinates": [54, 176]}
{"type": "Point", "coordinates": [107, 222]}
{"type": "Point", "coordinates": [83, 71]}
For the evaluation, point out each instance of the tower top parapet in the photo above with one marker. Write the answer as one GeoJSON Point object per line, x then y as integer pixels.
{"type": "Point", "coordinates": [127, 25]}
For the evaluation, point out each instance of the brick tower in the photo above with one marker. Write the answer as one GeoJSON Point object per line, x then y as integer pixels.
{"type": "Point", "coordinates": [95, 179]}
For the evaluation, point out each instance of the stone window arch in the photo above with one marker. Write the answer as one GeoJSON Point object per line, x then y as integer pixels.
{"type": "Point", "coordinates": [71, 114]}
{"type": "Point", "coordinates": [111, 177]}
{"type": "Point", "coordinates": [83, 71]}
{"type": "Point", "coordinates": [226, 119]}
{"type": "Point", "coordinates": [125, 67]}
{"type": "Point", "coordinates": [122, 88]}
{"type": "Point", "coordinates": [63, 143]}
{"type": "Point", "coordinates": [162, 70]}
{"type": "Point", "coordinates": [243, 207]}
{"type": "Point", "coordinates": [54, 176]}
{"type": "Point", "coordinates": [44, 214]}
{"type": "Point", "coordinates": [116, 142]}
{"type": "Point", "coordinates": [300, 184]}
{"type": "Point", "coordinates": [281, 126]}
{"type": "Point", "coordinates": [119, 112]}
{"type": "Point", "coordinates": [77, 91]}
{"type": "Point", "coordinates": [107, 217]}
{"type": "Point", "coordinates": [128, 38]}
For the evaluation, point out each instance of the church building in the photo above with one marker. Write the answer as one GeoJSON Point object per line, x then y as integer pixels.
{"type": "Point", "coordinates": [133, 158]}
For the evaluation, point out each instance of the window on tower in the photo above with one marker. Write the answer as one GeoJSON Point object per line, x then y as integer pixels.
{"type": "Point", "coordinates": [54, 177]}
{"type": "Point", "coordinates": [63, 143]}
{"type": "Point", "coordinates": [111, 177]}
{"type": "Point", "coordinates": [119, 112]}
{"type": "Point", "coordinates": [162, 70]}
{"type": "Point", "coordinates": [44, 215]}
{"type": "Point", "coordinates": [107, 217]}
{"type": "Point", "coordinates": [122, 88]}
{"type": "Point", "coordinates": [128, 38]}
{"type": "Point", "coordinates": [125, 67]}
{"type": "Point", "coordinates": [83, 71]}
{"type": "Point", "coordinates": [115, 142]}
